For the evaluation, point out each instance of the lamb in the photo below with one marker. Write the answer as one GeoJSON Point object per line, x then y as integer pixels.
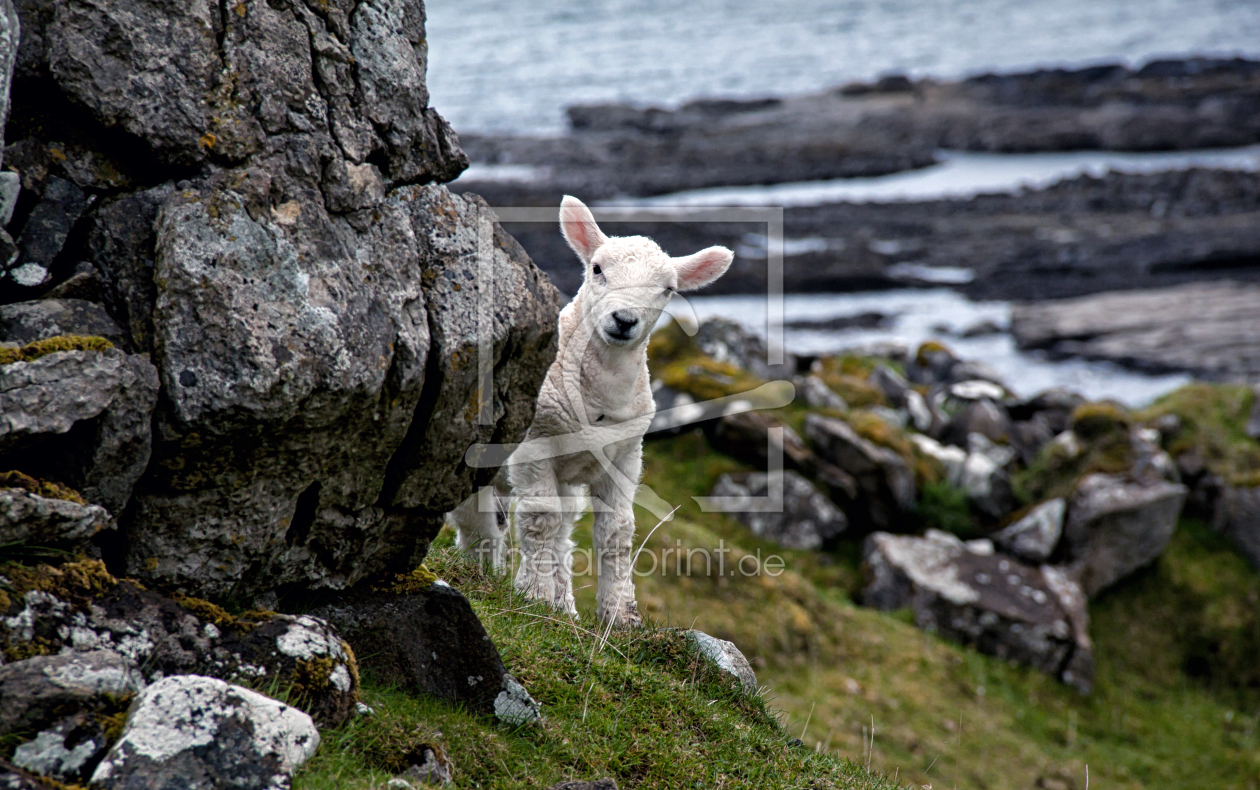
{"type": "Point", "coordinates": [593, 409]}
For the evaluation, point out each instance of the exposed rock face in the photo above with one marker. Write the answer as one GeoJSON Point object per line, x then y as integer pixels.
{"type": "Point", "coordinates": [1237, 517]}
{"type": "Point", "coordinates": [25, 322]}
{"type": "Point", "coordinates": [1033, 538]}
{"type": "Point", "coordinates": [1115, 527]}
{"type": "Point", "coordinates": [68, 751]}
{"type": "Point", "coordinates": [807, 518]}
{"type": "Point", "coordinates": [886, 489]}
{"type": "Point", "coordinates": [726, 657]}
{"type": "Point", "coordinates": [966, 592]}
{"type": "Point", "coordinates": [430, 640]}
{"type": "Point", "coordinates": [251, 191]}
{"type": "Point", "coordinates": [81, 417]}
{"type": "Point", "coordinates": [195, 732]}
{"type": "Point", "coordinates": [81, 608]}
{"type": "Point", "coordinates": [1208, 329]}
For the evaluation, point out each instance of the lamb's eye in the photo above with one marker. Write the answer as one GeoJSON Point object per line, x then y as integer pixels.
{"type": "Point", "coordinates": [597, 270]}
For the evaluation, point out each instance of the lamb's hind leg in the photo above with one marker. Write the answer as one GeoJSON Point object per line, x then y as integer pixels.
{"type": "Point", "coordinates": [480, 524]}
{"type": "Point", "coordinates": [542, 532]}
{"type": "Point", "coordinates": [614, 543]}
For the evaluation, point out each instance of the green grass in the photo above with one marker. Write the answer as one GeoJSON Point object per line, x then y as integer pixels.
{"type": "Point", "coordinates": [643, 708]}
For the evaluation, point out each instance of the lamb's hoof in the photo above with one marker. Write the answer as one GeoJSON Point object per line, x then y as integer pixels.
{"type": "Point", "coordinates": [626, 617]}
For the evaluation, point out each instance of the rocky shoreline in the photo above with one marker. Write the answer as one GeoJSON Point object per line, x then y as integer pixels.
{"type": "Point", "coordinates": [616, 150]}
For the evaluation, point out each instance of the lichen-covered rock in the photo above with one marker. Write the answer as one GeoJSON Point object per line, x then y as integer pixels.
{"type": "Point", "coordinates": [68, 751]}
{"type": "Point", "coordinates": [429, 639]}
{"type": "Point", "coordinates": [885, 482]}
{"type": "Point", "coordinates": [804, 519]}
{"type": "Point", "coordinates": [82, 418]}
{"type": "Point", "coordinates": [725, 656]}
{"type": "Point", "coordinates": [1237, 517]}
{"type": "Point", "coordinates": [80, 607]}
{"type": "Point", "coordinates": [37, 691]}
{"type": "Point", "coordinates": [1115, 526]}
{"type": "Point", "coordinates": [191, 732]}
{"type": "Point", "coordinates": [969, 593]}
{"type": "Point", "coordinates": [1034, 537]}
{"type": "Point", "coordinates": [14, 778]}
{"type": "Point", "coordinates": [24, 322]}
{"type": "Point", "coordinates": [57, 523]}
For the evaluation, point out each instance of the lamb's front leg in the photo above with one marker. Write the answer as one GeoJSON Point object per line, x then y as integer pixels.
{"type": "Point", "coordinates": [614, 540]}
{"type": "Point", "coordinates": [542, 532]}
{"type": "Point", "coordinates": [479, 531]}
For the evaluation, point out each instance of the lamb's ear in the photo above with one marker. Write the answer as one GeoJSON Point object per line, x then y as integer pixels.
{"type": "Point", "coordinates": [579, 228]}
{"type": "Point", "coordinates": [699, 269]}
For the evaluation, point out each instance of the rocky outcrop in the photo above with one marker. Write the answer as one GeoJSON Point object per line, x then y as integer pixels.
{"type": "Point", "coordinates": [39, 691]}
{"type": "Point", "coordinates": [426, 637]}
{"type": "Point", "coordinates": [895, 124]}
{"type": "Point", "coordinates": [1115, 526]}
{"type": "Point", "coordinates": [967, 592]}
{"type": "Point", "coordinates": [27, 518]}
{"type": "Point", "coordinates": [196, 732]}
{"type": "Point", "coordinates": [1034, 537]}
{"type": "Point", "coordinates": [803, 519]}
{"type": "Point", "coordinates": [1208, 329]}
{"type": "Point", "coordinates": [248, 198]}
{"type": "Point", "coordinates": [79, 607]}
{"type": "Point", "coordinates": [885, 483]}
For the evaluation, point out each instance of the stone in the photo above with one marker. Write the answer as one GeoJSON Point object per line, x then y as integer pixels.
{"type": "Point", "coordinates": [194, 732]}
{"type": "Point", "coordinates": [1023, 613]}
{"type": "Point", "coordinates": [83, 418]}
{"type": "Point", "coordinates": [585, 784]}
{"type": "Point", "coordinates": [68, 751]}
{"type": "Point", "coordinates": [726, 341]}
{"type": "Point", "coordinates": [987, 485]}
{"type": "Point", "coordinates": [1252, 428]}
{"type": "Point", "coordinates": [46, 230]}
{"type": "Point", "coordinates": [725, 656]}
{"type": "Point", "coordinates": [38, 691]}
{"type": "Point", "coordinates": [806, 520]}
{"type": "Point", "coordinates": [746, 436]}
{"type": "Point", "coordinates": [894, 386]}
{"type": "Point", "coordinates": [25, 322]}
{"type": "Point", "coordinates": [1237, 517]}
{"type": "Point", "coordinates": [818, 395]}
{"type": "Point", "coordinates": [1115, 527]}
{"type": "Point", "coordinates": [84, 284]}
{"type": "Point", "coordinates": [14, 778]}
{"type": "Point", "coordinates": [953, 459]}
{"type": "Point", "coordinates": [27, 518]}
{"type": "Point", "coordinates": [1208, 329]}
{"type": "Point", "coordinates": [434, 769]}
{"type": "Point", "coordinates": [83, 609]}
{"type": "Point", "coordinates": [1034, 537]}
{"type": "Point", "coordinates": [10, 187]}
{"type": "Point", "coordinates": [982, 417]}
{"type": "Point", "coordinates": [886, 488]}
{"type": "Point", "coordinates": [431, 641]}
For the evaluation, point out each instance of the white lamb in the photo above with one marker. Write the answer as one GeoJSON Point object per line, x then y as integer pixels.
{"type": "Point", "coordinates": [593, 409]}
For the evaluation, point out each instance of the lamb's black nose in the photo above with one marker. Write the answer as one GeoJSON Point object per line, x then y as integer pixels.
{"type": "Point", "coordinates": [624, 324]}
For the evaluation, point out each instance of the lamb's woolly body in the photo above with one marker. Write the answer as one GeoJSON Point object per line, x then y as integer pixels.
{"type": "Point", "coordinates": [598, 380]}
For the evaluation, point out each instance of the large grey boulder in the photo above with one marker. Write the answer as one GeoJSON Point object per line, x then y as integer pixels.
{"type": "Point", "coordinates": [1115, 527]}
{"type": "Point", "coordinates": [885, 482]}
{"type": "Point", "coordinates": [428, 639]}
{"type": "Point", "coordinates": [82, 418]}
{"type": "Point", "coordinates": [1237, 517]}
{"type": "Point", "coordinates": [968, 593]}
{"type": "Point", "coordinates": [193, 732]}
{"type": "Point", "coordinates": [1034, 537]}
{"type": "Point", "coordinates": [804, 518]}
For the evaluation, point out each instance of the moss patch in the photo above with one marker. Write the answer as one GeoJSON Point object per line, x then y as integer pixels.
{"type": "Point", "coordinates": [40, 348]}
{"type": "Point", "coordinates": [1212, 420]}
{"type": "Point", "coordinates": [1092, 421]}
{"type": "Point", "coordinates": [421, 578]}
{"type": "Point", "coordinates": [44, 488]}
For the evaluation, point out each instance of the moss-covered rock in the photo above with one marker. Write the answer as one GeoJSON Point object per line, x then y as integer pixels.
{"type": "Point", "coordinates": [52, 345]}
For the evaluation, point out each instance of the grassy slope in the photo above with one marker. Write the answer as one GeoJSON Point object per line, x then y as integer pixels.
{"type": "Point", "coordinates": [645, 709]}
{"type": "Point", "coordinates": [1176, 703]}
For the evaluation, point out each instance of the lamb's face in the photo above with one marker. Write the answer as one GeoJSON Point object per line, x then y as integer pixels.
{"type": "Point", "coordinates": [630, 279]}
